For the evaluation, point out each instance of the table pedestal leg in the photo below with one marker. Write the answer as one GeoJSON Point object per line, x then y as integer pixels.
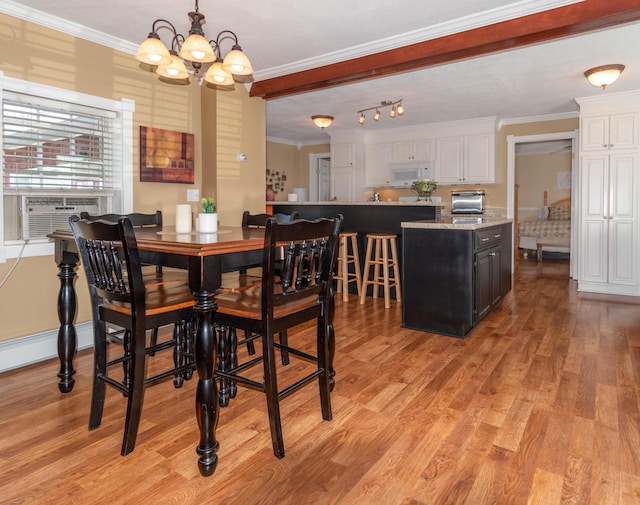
{"type": "Point", "coordinates": [207, 391]}
{"type": "Point", "coordinates": [67, 338]}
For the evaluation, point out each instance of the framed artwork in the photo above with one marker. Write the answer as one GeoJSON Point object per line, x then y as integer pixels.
{"type": "Point", "coordinates": [166, 156]}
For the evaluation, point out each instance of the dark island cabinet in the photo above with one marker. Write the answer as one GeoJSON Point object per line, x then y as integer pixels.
{"type": "Point", "coordinates": [453, 278]}
{"type": "Point", "coordinates": [379, 217]}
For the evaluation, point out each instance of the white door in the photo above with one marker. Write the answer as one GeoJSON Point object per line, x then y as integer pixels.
{"type": "Point", "coordinates": [324, 179]}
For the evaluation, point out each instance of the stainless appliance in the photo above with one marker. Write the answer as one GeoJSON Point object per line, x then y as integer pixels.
{"type": "Point", "coordinates": [467, 202]}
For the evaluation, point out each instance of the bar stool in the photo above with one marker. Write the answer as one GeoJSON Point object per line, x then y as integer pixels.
{"type": "Point", "coordinates": [381, 263]}
{"type": "Point", "coordinates": [343, 275]}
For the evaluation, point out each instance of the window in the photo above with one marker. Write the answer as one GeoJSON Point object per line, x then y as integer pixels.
{"type": "Point", "coordinates": [62, 152]}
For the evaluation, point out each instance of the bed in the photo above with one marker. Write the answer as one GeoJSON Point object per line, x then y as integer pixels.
{"type": "Point", "coordinates": [550, 232]}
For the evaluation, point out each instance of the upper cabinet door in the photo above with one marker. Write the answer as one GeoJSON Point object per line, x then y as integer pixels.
{"type": "Point", "coordinates": [479, 159]}
{"type": "Point", "coordinates": [623, 131]}
{"type": "Point", "coordinates": [449, 160]}
{"type": "Point", "coordinates": [616, 131]}
{"type": "Point", "coordinates": [413, 150]}
{"type": "Point", "coordinates": [342, 155]}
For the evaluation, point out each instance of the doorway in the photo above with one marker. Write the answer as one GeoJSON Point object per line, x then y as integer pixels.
{"type": "Point", "coordinates": [320, 177]}
{"type": "Point", "coordinates": [512, 142]}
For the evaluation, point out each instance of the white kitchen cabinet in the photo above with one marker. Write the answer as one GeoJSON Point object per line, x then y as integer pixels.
{"type": "Point", "coordinates": [343, 184]}
{"type": "Point", "coordinates": [613, 131]}
{"type": "Point", "coordinates": [608, 225]}
{"type": "Point", "coordinates": [466, 159]}
{"type": "Point", "coordinates": [376, 165]}
{"type": "Point", "coordinates": [449, 160]}
{"type": "Point", "coordinates": [343, 155]}
{"type": "Point", "coordinates": [413, 150]}
{"type": "Point", "coordinates": [479, 158]}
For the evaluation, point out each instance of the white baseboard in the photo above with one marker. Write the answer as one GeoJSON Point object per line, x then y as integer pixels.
{"type": "Point", "coordinates": [24, 351]}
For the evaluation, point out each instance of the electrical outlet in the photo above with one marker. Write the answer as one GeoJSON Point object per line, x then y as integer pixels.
{"type": "Point", "coordinates": [193, 195]}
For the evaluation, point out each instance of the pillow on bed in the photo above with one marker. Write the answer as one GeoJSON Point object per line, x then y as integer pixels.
{"type": "Point", "coordinates": [559, 213]}
{"type": "Point", "coordinates": [544, 213]}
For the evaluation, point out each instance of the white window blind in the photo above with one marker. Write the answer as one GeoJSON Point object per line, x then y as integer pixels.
{"type": "Point", "coordinates": [55, 145]}
{"type": "Point", "coordinates": [62, 152]}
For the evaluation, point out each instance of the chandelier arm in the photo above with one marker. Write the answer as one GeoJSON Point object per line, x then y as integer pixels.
{"type": "Point", "coordinates": [171, 27]}
{"type": "Point", "coordinates": [216, 49]}
{"type": "Point", "coordinates": [228, 35]}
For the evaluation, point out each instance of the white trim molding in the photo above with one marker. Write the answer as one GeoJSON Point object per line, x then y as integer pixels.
{"type": "Point", "coordinates": [24, 351]}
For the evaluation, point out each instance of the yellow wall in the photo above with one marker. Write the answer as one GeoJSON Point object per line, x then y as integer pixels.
{"type": "Point", "coordinates": [536, 174]}
{"type": "Point", "coordinates": [33, 53]}
{"type": "Point", "coordinates": [294, 161]}
{"type": "Point", "coordinates": [498, 195]}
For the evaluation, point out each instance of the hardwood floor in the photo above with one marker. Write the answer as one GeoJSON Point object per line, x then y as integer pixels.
{"type": "Point", "coordinates": [539, 404]}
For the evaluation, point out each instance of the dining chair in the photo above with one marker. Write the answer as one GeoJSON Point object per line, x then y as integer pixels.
{"type": "Point", "coordinates": [119, 296]}
{"type": "Point", "coordinates": [297, 269]}
{"type": "Point", "coordinates": [157, 275]}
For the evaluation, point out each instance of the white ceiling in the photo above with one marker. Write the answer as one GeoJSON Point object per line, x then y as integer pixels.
{"type": "Point", "coordinates": [283, 37]}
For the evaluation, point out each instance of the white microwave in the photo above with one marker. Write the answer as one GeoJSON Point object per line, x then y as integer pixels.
{"type": "Point", "coordinates": [402, 175]}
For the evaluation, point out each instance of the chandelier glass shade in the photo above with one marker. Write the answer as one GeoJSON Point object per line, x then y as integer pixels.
{"type": "Point", "coordinates": [194, 54]}
{"type": "Point", "coordinates": [396, 110]}
{"type": "Point", "coordinates": [604, 75]}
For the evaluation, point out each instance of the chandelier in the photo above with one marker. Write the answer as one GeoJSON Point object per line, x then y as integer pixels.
{"type": "Point", "coordinates": [193, 55]}
{"type": "Point", "coordinates": [396, 108]}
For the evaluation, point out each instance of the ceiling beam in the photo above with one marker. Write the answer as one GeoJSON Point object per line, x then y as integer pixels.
{"type": "Point", "coordinates": [565, 21]}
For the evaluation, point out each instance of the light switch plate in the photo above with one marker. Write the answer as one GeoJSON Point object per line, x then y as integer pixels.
{"type": "Point", "coordinates": [193, 195]}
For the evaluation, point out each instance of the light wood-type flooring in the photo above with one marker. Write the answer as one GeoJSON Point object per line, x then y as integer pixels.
{"type": "Point", "coordinates": [539, 404]}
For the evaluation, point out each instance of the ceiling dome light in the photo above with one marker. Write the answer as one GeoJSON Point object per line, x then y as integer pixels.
{"type": "Point", "coordinates": [604, 75]}
{"type": "Point", "coordinates": [322, 121]}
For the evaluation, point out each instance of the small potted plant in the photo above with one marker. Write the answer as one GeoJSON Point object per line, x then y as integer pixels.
{"type": "Point", "coordinates": [423, 188]}
{"type": "Point", "coordinates": [208, 219]}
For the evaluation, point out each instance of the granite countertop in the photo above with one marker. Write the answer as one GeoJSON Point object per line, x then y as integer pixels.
{"type": "Point", "coordinates": [457, 223]}
{"type": "Point", "coordinates": [415, 203]}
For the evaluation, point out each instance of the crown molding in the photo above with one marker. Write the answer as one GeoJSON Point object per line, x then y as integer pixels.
{"type": "Point", "coordinates": [492, 16]}
{"type": "Point", "coordinates": [317, 142]}
{"type": "Point", "coordinates": [59, 24]}
{"type": "Point", "coordinates": [537, 119]}
{"type": "Point", "coordinates": [519, 9]}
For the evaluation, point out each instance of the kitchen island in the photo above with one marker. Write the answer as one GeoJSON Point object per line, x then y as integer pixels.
{"type": "Point", "coordinates": [456, 271]}
{"type": "Point", "coordinates": [365, 217]}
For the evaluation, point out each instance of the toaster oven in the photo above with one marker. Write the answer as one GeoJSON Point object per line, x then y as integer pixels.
{"type": "Point", "coordinates": [467, 202]}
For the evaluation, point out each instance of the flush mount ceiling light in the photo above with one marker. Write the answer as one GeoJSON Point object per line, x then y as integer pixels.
{"type": "Point", "coordinates": [193, 55]}
{"type": "Point", "coordinates": [396, 109]}
{"type": "Point", "coordinates": [604, 75]}
{"type": "Point", "coordinates": [322, 121]}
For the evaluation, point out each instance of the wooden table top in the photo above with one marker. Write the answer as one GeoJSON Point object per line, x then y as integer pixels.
{"type": "Point", "coordinates": [228, 239]}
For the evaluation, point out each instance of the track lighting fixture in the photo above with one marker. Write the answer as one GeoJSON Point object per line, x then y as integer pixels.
{"type": "Point", "coordinates": [396, 110]}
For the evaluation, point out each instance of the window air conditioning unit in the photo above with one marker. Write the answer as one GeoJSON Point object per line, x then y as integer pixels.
{"type": "Point", "coordinates": [43, 214]}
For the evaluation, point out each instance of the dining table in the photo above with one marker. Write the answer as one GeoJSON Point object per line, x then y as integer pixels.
{"type": "Point", "coordinates": [205, 257]}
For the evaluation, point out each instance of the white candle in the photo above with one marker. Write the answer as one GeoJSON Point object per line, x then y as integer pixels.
{"type": "Point", "coordinates": [183, 218]}
{"type": "Point", "coordinates": [292, 197]}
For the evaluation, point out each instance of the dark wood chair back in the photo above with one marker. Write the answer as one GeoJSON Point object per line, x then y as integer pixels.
{"type": "Point", "coordinates": [137, 219]}
{"type": "Point", "coordinates": [109, 254]}
{"type": "Point", "coordinates": [260, 220]}
{"type": "Point", "coordinates": [297, 261]}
